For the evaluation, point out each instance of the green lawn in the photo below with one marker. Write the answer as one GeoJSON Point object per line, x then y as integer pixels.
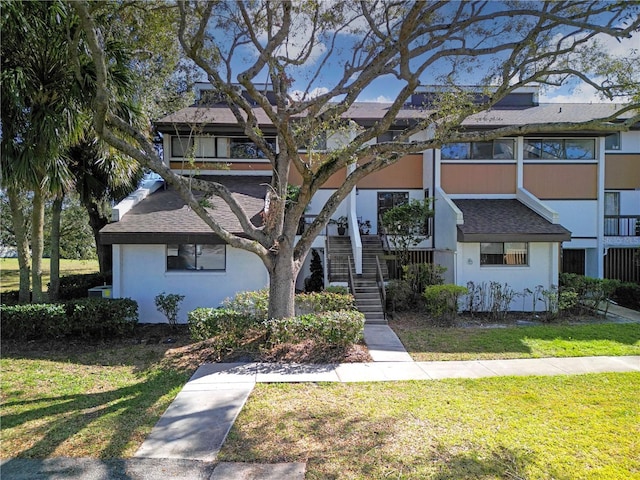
{"type": "Point", "coordinates": [10, 274]}
{"type": "Point", "coordinates": [100, 403]}
{"type": "Point", "coordinates": [434, 343]}
{"type": "Point", "coordinates": [564, 427]}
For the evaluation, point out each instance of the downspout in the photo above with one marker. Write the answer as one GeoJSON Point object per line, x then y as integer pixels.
{"type": "Point", "coordinates": [354, 230]}
{"type": "Point", "coordinates": [600, 196]}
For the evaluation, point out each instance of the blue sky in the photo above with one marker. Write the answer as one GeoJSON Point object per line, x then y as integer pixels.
{"type": "Point", "coordinates": [385, 88]}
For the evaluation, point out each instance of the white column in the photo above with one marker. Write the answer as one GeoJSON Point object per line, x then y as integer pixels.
{"type": "Point", "coordinates": [600, 193]}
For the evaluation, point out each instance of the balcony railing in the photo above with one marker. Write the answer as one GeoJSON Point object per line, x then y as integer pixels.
{"type": "Point", "coordinates": [621, 225]}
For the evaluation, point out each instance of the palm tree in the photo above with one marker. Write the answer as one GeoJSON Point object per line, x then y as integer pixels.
{"type": "Point", "coordinates": [41, 109]}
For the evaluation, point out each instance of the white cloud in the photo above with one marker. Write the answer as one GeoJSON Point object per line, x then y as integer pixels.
{"type": "Point", "coordinates": [299, 95]}
{"type": "Point", "coordinates": [378, 99]}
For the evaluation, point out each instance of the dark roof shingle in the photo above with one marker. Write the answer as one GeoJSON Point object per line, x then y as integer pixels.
{"type": "Point", "coordinates": [163, 217]}
{"type": "Point", "coordinates": [505, 220]}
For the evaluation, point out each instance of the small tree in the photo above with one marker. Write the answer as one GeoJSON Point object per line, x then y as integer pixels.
{"type": "Point", "coordinates": [406, 226]}
{"type": "Point", "coordinates": [169, 304]}
{"type": "Point", "coordinates": [315, 282]}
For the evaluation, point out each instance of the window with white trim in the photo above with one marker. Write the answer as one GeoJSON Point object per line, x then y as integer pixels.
{"type": "Point", "coordinates": [560, 148]}
{"type": "Point", "coordinates": [500, 149]}
{"type": "Point", "coordinates": [193, 146]}
{"type": "Point", "coordinates": [198, 257]}
{"type": "Point", "coordinates": [504, 253]}
{"type": "Point", "coordinates": [612, 141]}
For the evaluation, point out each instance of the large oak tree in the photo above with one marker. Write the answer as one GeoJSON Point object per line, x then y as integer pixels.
{"type": "Point", "coordinates": [320, 57]}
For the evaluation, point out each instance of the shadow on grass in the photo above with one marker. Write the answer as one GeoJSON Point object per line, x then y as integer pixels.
{"type": "Point", "coordinates": [501, 462]}
{"type": "Point", "coordinates": [129, 407]}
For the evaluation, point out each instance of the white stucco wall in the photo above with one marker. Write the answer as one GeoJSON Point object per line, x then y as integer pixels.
{"type": "Point", "coordinates": [542, 270]}
{"type": "Point", "coordinates": [630, 142]}
{"type": "Point", "coordinates": [580, 217]}
{"type": "Point", "coordinates": [141, 274]}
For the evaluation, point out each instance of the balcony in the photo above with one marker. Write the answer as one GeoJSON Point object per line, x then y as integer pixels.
{"type": "Point", "coordinates": [622, 225]}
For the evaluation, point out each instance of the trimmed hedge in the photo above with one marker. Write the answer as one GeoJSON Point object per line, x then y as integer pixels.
{"type": "Point", "coordinates": [334, 328]}
{"type": "Point", "coordinates": [77, 286]}
{"type": "Point", "coordinates": [627, 295]}
{"type": "Point", "coordinates": [206, 323]}
{"type": "Point", "coordinates": [323, 302]}
{"type": "Point", "coordinates": [85, 318]}
{"type": "Point", "coordinates": [442, 301]}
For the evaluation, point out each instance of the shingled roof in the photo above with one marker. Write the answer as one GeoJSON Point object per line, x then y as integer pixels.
{"type": "Point", "coordinates": [163, 217]}
{"type": "Point", "coordinates": [508, 220]}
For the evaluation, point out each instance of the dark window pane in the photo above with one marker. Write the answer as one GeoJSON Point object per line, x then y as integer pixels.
{"type": "Point", "coordinates": [612, 141]}
{"type": "Point", "coordinates": [482, 150]}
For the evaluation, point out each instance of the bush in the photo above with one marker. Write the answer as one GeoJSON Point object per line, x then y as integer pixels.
{"type": "Point", "coordinates": [627, 295]}
{"type": "Point", "coordinates": [85, 318]}
{"type": "Point", "coordinates": [32, 321]}
{"type": "Point", "coordinates": [399, 295]}
{"type": "Point", "coordinates": [442, 301]}
{"type": "Point", "coordinates": [254, 304]}
{"type": "Point", "coordinates": [207, 323]}
{"type": "Point", "coordinates": [337, 289]}
{"type": "Point", "coordinates": [421, 275]}
{"type": "Point", "coordinates": [77, 286]}
{"type": "Point", "coordinates": [169, 304]}
{"type": "Point", "coordinates": [591, 292]}
{"type": "Point", "coordinates": [323, 302]}
{"type": "Point", "coordinates": [333, 328]}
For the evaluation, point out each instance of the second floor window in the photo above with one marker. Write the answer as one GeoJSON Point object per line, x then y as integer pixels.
{"type": "Point", "coordinates": [193, 146]}
{"type": "Point", "coordinates": [492, 150]}
{"type": "Point", "coordinates": [560, 148]}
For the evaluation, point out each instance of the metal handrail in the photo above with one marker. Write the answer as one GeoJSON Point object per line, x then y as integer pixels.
{"type": "Point", "coordinates": [381, 287]}
{"type": "Point", "coordinates": [352, 287]}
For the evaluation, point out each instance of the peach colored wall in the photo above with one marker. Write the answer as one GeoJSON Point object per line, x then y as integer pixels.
{"type": "Point", "coordinates": [480, 179]}
{"type": "Point", "coordinates": [547, 181]}
{"type": "Point", "coordinates": [622, 172]}
{"type": "Point", "coordinates": [406, 173]}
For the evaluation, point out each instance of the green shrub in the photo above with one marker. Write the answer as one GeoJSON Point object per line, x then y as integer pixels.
{"type": "Point", "coordinates": [254, 304]}
{"type": "Point", "coordinates": [399, 295]}
{"type": "Point", "coordinates": [323, 302]}
{"type": "Point", "coordinates": [333, 328]}
{"type": "Point", "coordinates": [337, 289]}
{"type": "Point", "coordinates": [627, 295]}
{"type": "Point", "coordinates": [85, 318]}
{"type": "Point", "coordinates": [207, 323]}
{"type": "Point", "coordinates": [77, 286]}
{"type": "Point", "coordinates": [101, 317]}
{"type": "Point", "coordinates": [591, 292]}
{"type": "Point", "coordinates": [169, 304]}
{"type": "Point", "coordinates": [420, 275]}
{"type": "Point", "coordinates": [442, 301]}
{"type": "Point", "coordinates": [32, 321]}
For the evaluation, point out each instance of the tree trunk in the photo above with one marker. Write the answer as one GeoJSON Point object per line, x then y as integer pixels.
{"type": "Point", "coordinates": [56, 216]}
{"type": "Point", "coordinates": [97, 222]}
{"type": "Point", "coordinates": [37, 244]}
{"type": "Point", "coordinates": [22, 243]}
{"type": "Point", "coordinates": [282, 285]}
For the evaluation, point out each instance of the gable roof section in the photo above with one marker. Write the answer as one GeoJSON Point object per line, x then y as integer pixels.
{"type": "Point", "coordinates": [163, 217]}
{"type": "Point", "coordinates": [491, 220]}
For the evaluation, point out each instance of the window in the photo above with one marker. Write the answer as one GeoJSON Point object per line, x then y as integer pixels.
{"type": "Point", "coordinates": [557, 148]}
{"type": "Point", "coordinates": [389, 136]}
{"type": "Point", "coordinates": [612, 141]}
{"type": "Point", "coordinates": [388, 200]}
{"type": "Point", "coordinates": [242, 147]}
{"type": "Point", "coordinates": [198, 146]}
{"type": "Point", "coordinates": [492, 150]}
{"type": "Point", "coordinates": [196, 257]}
{"type": "Point", "coordinates": [508, 253]}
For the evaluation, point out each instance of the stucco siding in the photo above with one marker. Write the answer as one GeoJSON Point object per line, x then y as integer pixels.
{"type": "Point", "coordinates": [542, 270]}
{"type": "Point", "coordinates": [142, 275]}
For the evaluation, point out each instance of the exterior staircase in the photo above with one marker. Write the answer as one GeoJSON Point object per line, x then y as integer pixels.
{"type": "Point", "coordinates": [365, 287]}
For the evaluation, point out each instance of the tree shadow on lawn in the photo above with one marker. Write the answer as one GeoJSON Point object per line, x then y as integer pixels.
{"type": "Point", "coordinates": [130, 405]}
{"type": "Point", "coordinates": [419, 337]}
{"type": "Point", "coordinates": [337, 446]}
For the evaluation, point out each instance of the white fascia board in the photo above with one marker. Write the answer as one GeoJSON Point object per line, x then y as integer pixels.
{"type": "Point", "coordinates": [537, 206]}
{"type": "Point", "coordinates": [145, 189]}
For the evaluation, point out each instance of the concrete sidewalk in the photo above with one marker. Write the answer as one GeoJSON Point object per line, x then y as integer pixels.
{"type": "Point", "coordinates": [196, 424]}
